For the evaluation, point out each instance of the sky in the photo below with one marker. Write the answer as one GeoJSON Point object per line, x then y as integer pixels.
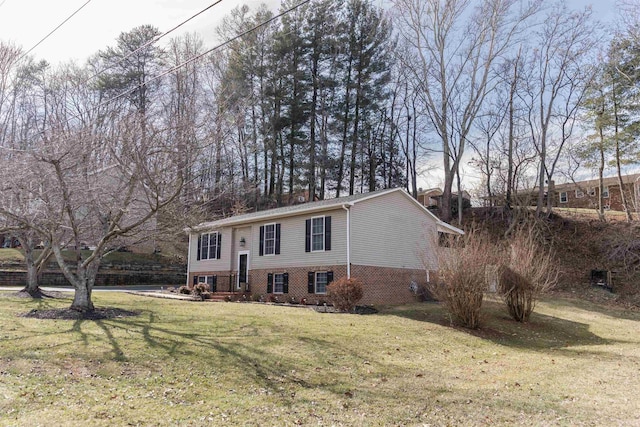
{"type": "Point", "coordinates": [97, 25]}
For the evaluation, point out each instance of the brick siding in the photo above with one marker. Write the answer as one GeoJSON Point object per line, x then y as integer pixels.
{"type": "Point", "coordinates": [382, 285]}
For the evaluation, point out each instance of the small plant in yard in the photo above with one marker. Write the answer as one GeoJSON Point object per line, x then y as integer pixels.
{"type": "Point", "coordinates": [199, 289]}
{"type": "Point", "coordinates": [527, 272]}
{"type": "Point", "coordinates": [184, 290]}
{"type": "Point", "coordinates": [292, 300]}
{"type": "Point", "coordinates": [256, 297]}
{"type": "Point", "coordinates": [461, 281]}
{"type": "Point", "coordinates": [345, 293]}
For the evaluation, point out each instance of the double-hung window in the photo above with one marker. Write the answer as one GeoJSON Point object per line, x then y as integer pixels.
{"type": "Point", "coordinates": [318, 281]}
{"type": "Point", "coordinates": [209, 245]}
{"type": "Point", "coordinates": [270, 239]}
{"type": "Point", "coordinates": [579, 193]}
{"type": "Point", "coordinates": [278, 283]}
{"type": "Point", "coordinates": [605, 193]}
{"type": "Point", "coordinates": [318, 234]}
{"type": "Point", "coordinates": [321, 282]}
{"type": "Point", "coordinates": [563, 197]}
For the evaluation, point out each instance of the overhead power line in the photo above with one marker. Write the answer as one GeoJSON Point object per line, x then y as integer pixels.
{"type": "Point", "coordinates": [153, 40]}
{"type": "Point", "coordinates": [199, 56]}
{"type": "Point", "coordinates": [54, 30]}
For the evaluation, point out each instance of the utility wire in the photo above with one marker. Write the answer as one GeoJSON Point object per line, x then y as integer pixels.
{"type": "Point", "coordinates": [197, 57]}
{"type": "Point", "coordinates": [53, 31]}
{"type": "Point", "coordinates": [153, 40]}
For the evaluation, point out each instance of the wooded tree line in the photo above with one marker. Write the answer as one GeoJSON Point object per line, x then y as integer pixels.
{"type": "Point", "coordinates": [333, 98]}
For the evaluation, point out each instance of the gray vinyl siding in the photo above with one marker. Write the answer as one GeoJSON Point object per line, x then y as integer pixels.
{"type": "Point", "coordinates": [392, 231]}
{"type": "Point", "coordinates": [292, 243]}
{"type": "Point", "coordinates": [222, 264]}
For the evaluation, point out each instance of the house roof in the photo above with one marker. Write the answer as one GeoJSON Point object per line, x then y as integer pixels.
{"type": "Point", "coordinates": [318, 206]}
{"type": "Point", "coordinates": [612, 180]}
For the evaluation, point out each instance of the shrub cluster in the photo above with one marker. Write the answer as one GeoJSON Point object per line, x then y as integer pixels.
{"type": "Point", "coordinates": [527, 271]}
{"type": "Point", "coordinates": [461, 280]}
{"type": "Point", "coordinates": [345, 293]}
{"type": "Point", "coordinates": [522, 266]}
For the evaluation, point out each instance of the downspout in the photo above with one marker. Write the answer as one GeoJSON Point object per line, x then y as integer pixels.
{"type": "Point", "coordinates": [347, 208]}
{"type": "Point", "coordinates": [188, 258]}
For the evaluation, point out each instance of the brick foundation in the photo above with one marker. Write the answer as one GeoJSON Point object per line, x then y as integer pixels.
{"type": "Point", "coordinates": [382, 285]}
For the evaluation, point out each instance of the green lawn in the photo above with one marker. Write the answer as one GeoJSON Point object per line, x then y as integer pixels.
{"type": "Point", "coordinates": [188, 363]}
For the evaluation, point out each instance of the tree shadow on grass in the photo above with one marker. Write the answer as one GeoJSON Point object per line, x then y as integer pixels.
{"type": "Point", "coordinates": [541, 333]}
{"type": "Point", "coordinates": [616, 312]}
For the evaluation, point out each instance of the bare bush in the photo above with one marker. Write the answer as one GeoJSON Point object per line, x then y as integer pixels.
{"type": "Point", "coordinates": [528, 271]}
{"type": "Point", "coordinates": [461, 279]}
{"type": "Point", "coordinates": [345, 293]}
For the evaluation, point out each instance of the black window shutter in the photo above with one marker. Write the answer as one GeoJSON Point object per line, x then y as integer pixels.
{"type": "Point", "coordinates": [307, 238]}
{"type": "Point", "coordinates": [195, 280]}
{"type": "Point", "coordinates": [219, 245]}
{"type": "Point", "coordinates": [199, 246]}
{"type": "Point", "coordinates": [311, 277]}
{"type": "Point", "coordinates": [327, 233]}
{"type": "Point", "coordinates": [214, 285]}
{"type": "Point", "coordinates": [270, 283]}
{"type": "Point", "coordinates": [277, 239]}
{"type": "Point", "coordinates": [285, 286]}
{"type": "Point", "coordinates": [329, 277]}
{"type": "Point", "coordinates": [261, 240]}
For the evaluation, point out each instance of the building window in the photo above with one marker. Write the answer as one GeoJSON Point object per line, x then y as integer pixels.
{"type": "Point", "coordinates": [318, 281]}
{"type": "Point", "coordinates": [317, 234]}
{"type": "Point", "coordinates": [563, 197]}
{"type": "Point", "coordinates": [321, 282]}
{"type": "Point", "coordinates": [278, 283]}
{"type": "Point", "coordinates": [270, 239]}
{"type": "Point", "coordinates": [209, 246]}
{"type": "Point", "coordinates": [592, 192]}
{"type": "Point", "coordinates": [605, 192]}
{"type": "Point", "coordinates": [579, 193]}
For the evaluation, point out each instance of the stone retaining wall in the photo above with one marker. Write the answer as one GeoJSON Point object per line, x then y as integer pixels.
{"type": "Point", "coordinates": [122, 277]}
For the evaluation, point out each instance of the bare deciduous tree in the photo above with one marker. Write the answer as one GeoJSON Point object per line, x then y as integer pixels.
{"type": "Point", "coordinates": [456, 46]}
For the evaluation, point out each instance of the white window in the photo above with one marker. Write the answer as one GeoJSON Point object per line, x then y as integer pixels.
{"type": "Point", "coordinates": [592, 192]}
{"type": "Point", "coordinates": [278, 283]}
{"type": "Point", "coordinates": [579, 193]}
{"type": "Point", "coordinates": [317, 233]}
{"type": "Point", "coordinates": [321, 282]}
{"type": "Point", "coordinates": [209, 245]}
{"type": "Point", "coordinates": [270, 239]}
{"type": "Point", "coordinates": [563, 197]}
{"type": "Point", "coordinates": [605, 192]}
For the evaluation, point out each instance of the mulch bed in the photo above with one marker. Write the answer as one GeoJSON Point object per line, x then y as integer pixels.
{"type": "Point", "coordinates": [42, 294]}
{"type": "Point", "coordinates": [69, 314]}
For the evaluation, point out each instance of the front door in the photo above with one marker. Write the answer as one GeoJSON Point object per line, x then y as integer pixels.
{"type": "Point", "coordinates": [243, 268]}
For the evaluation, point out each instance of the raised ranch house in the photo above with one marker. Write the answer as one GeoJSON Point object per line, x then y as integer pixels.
{"type": "Point", "coordinates": [386, 239]}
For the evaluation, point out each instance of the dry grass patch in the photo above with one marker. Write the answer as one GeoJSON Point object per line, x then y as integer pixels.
{"type": "Point", "coordinates": [248, 364]}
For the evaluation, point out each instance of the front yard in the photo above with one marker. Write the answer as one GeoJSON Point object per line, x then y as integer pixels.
{"type": "Point", "coordinates": [187, 363]}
